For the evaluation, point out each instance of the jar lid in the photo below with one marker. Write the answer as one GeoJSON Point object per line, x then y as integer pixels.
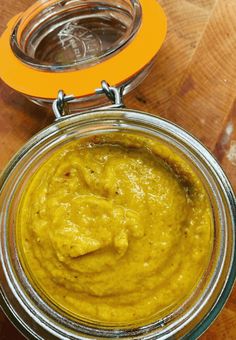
{"type": "Point", "coordinates": [43, 81]}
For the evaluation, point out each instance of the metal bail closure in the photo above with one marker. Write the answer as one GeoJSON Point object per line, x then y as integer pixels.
{"type": "Point", "coordinates": [60, 105]}
{"type": "Point", "coordinates": [114, 94]}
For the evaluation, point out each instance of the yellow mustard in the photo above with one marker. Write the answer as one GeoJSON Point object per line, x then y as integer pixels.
{"type": "Point", "coordinates": [115, 228]}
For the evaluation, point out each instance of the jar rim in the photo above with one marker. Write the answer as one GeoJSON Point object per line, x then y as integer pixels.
{"type": "Point", "coordinates": [199, 151]}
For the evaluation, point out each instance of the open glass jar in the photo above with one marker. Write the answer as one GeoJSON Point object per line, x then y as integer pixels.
{"type": "Point", "coordinates": [90, 41]}
{"type": "Point", "coordinates": [34, 316]}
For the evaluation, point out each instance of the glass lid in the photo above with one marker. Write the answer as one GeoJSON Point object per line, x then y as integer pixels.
{"type": "Point", "coordinates": [73, 44]}
{"type": "Point", "coordinates": [59, 35]}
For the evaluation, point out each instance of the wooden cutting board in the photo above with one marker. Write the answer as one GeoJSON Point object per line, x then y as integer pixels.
{"type": "Point", "coordinates": [193, 84]}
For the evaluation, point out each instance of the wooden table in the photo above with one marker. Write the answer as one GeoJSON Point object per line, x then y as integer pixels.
{"type": "Point", "coordinates": [193, 84]}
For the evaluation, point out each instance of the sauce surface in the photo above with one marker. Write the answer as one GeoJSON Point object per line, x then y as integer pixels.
{"type": "Point", "coordinates": [115, 228]}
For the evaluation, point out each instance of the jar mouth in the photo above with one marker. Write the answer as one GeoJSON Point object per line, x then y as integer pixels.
{"type": "Point", "coordinates": [74, 34]}
{"type": "Point", "coordinates": [221, 274]}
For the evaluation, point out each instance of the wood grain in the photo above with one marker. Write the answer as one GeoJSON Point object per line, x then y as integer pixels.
{"type": "Point", "coordinates": [193, 83]}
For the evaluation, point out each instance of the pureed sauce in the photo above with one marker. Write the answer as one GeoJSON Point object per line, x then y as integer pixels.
{"type": "Point", "coordinates": [115, 228]}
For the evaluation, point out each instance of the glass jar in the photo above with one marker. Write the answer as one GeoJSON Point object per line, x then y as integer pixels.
{"type": "Point", "coordinates": [33, 316]}
{"type": "Point", "coordinates": [73, 44]}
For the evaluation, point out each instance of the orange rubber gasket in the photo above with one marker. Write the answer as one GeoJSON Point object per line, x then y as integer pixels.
{"type": "Point", "coordinates": [115, 70]}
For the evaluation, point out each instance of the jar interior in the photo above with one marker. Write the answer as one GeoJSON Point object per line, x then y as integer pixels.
{"type": "Point", "coordinates": [175, 159]}
{"type": "Point", "coordinates": [60, 35]}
